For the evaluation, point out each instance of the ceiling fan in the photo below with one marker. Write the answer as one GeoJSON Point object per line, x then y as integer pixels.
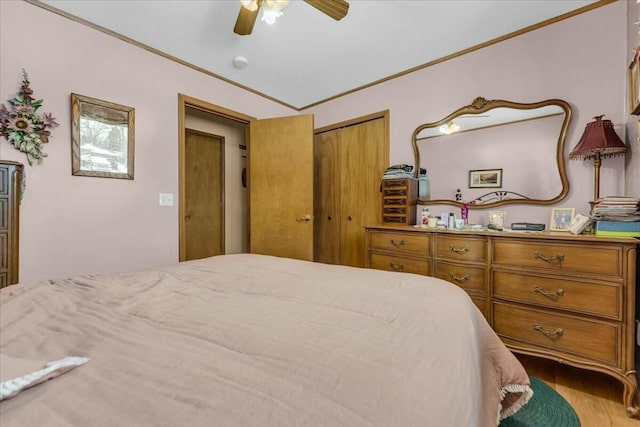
{"type": "Point", "coordinates": [336, 9]}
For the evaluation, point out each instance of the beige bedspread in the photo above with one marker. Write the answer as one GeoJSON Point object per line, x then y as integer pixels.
{"type": "Point", "coordinates": [252, 340]}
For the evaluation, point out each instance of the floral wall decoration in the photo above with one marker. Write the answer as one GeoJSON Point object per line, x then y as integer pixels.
{"type": "Point", "coordinates": [23, 127]}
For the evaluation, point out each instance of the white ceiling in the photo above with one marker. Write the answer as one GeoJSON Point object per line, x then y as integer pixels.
{"type": "Point", "coordinates": [307, 57]}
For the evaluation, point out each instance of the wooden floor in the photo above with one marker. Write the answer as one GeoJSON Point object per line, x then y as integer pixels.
{"type": "Point", "coordinates": [596, 398]}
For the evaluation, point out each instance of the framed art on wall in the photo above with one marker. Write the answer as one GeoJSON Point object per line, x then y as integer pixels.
{"type": "Point", "coordinates": [102, 138]}
{"type": "Point", "coordinates": [561, 219]}
{"type": "Point", "coordinates": [485, 178]}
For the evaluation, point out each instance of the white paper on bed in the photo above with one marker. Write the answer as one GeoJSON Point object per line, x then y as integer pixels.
{"type": "Point", "coordinates": [251, 340]}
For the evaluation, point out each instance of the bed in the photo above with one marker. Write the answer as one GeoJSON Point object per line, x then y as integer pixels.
{"type": "Point", "coordinates": [255, 340]}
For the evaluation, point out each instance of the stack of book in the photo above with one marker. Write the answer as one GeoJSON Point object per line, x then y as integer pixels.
{"type": "Point", "coordinates": [613, 208]}
{"type": "Point", "coordinates": [617, 217]}
{"type": "Point", "coordinates": [618, 228]}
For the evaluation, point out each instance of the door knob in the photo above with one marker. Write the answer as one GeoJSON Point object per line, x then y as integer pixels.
{"type": "Point", "coordinates": [187, 217]}
{"type": "Point", "coordinates": [349, 218]}
{"type": "Point", "coordinates": [305, 218]}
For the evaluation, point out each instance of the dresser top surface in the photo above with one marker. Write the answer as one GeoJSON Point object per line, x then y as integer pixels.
{"type": "Point", "coordinates": [546, 235]}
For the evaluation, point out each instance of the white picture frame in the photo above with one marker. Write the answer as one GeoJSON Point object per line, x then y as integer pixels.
{"type": "Point", "coordinates": [497, 218]}
{"type": "Point", "coordinates": [561, 219]}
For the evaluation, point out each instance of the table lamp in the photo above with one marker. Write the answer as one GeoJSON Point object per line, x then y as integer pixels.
{"type": "Point", "coordinates": [598, 141]}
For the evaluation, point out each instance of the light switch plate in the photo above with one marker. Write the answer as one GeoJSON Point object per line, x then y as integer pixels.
{"type": "Point", "coordinates": [166, 199]}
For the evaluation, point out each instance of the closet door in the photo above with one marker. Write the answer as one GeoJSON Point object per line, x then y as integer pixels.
{"type": "Point", "coordinates": [326, 193]}
{"type": "Point", "coordinates": [363, 157]}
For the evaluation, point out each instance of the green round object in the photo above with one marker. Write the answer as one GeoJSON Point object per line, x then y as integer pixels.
{"type": "Point", "coordinates": [545, 409]}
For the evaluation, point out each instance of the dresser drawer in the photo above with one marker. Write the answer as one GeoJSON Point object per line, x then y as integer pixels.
{"type": "Point", "coordinates": [412, 243]}
{"type": "Point", "coordinates": [394, 263]}
{"type": "Point", "coordinates": [546, 330]}
{"type": "Point", "coordinates": [394, 210]}
{"type": "Point", "coordinates": [465, 276]}
{"type": "Point", "coordinates": [395, 201]}
{"type": "Point", "coordinates": [461, 248]}
{"type": "Point", "coordinates": [4, 182]}
{"type": "Point", "coordinates": [394, 219]}
{"type": "Point", "coordinates": [395, 184]}
{"type": "Point", "coordinates": [569, 257]}
{"type": "Point", "coordinates": [602, 299]}
{"type": "Point", "coordinates": [4, 213]}
{"type": "Point", "coordinates": [4, 250]}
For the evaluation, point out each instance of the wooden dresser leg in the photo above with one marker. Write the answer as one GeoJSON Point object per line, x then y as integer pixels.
{"type": "Point", "coordinates": [631, 397]}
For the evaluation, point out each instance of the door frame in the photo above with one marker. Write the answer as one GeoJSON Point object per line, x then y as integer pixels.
{"type": "Point", "coordinates": [185, 101]}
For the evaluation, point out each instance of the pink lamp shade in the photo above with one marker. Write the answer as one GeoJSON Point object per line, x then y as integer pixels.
{"type": "Point", "coordinates": [598, 137]}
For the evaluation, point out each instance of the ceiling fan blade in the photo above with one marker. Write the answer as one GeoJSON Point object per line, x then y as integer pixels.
{"type": "Point", "coordinates": [246, 20]}
{"type": "Point", "coordinates": [337, 9]}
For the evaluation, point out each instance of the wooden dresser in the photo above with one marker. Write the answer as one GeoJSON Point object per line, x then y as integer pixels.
{"type": "Point", "coordinates": [10, 178]}
{"type": "Point", "coordinates": [554, 295]}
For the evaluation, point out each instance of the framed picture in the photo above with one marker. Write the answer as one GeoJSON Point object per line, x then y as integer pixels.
{"type": "Point", "coordinates": [561, 219]}
{"type": "Point", "coordinates": [485, 178]}
{"type": "Point", "coordinates": [102, 138]}
{"type": "Point", "coordinates": [497, 218]}
{"type": "Point", "coordinates": [634, 85]}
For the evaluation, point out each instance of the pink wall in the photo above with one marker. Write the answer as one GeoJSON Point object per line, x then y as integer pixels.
{"type": "Point", "coordinates": [75, 225]}
{"type": "Point", "coordinates": [581, 60]}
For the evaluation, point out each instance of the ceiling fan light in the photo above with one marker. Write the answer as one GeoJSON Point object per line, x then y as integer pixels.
{"type": "Point", "coordinates": [251, 5]}
{"type": "Point", "coordinates": [269, 16]}
{"type": "Point", "coordinates": [276, 4]}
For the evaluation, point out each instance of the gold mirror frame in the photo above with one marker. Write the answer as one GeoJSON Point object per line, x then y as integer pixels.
{"type": "Point", "coordinates": [481, 105]}
{"type": "Point", "coordinates": [102, 138]}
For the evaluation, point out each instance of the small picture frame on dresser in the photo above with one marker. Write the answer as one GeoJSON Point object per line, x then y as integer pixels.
{"type": "Point", "coordinates": [561, 219]}
{"type": "Point", "coordinates": [497, 218]}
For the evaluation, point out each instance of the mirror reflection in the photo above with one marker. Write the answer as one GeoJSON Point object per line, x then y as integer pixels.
{"type": "Point", "coordinates": [522, 144]}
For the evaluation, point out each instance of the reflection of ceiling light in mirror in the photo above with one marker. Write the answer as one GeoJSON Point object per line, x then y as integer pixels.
{"type": "Point", "coordinates": [449, 128]}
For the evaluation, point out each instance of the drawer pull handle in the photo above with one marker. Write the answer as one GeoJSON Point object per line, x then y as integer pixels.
{"type": "Point", "coordinates": [397, 244]}
{"type": "Point", "coordinates": [557, 333]}
{"type": "Point", "coordinates": [396, 267]}
{"type": "Point", "coordinates": [558, 293]}
{"type": "Point", "coordinates": [454, 249]}
{"type": "Point", "coordinates": [559, 257]}
{"type": "Point", "coordinates": [458, 279]}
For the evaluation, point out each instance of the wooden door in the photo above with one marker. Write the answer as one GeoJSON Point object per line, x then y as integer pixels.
{"type": "Point", "coordinates": [280, 183]}
{"type": "Point", "coordinates": [326, 194]}
{"type": "Point", "coordinates": [204, 195]}
{"type": "Point", "coordinates": [363, 159]}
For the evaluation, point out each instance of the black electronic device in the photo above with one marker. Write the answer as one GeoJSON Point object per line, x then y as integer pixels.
{"type": "Point", "coordinates": [527, 226]}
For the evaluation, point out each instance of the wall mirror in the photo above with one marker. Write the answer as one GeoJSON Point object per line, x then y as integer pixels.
{"type": "Point", "coordinates": [524, 142]}
{"type": "Point", "coordinates": [102, 138]}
